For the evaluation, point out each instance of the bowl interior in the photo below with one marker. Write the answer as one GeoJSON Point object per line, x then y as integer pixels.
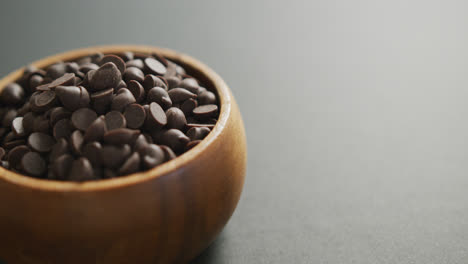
{"type": "Point", "coordinates": [195, 68]}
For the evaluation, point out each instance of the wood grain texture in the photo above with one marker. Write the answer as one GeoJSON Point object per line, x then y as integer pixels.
{"type": "Point", "coordinates": [166, 215]}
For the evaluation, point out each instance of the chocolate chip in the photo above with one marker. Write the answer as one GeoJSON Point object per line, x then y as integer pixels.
{"type": "Point", "coordinates": [160, 58]}
{"type": "Point", "coordinates": [190, 84]}
{"type": "Point", "coordinates": [84, 97]}
{"type": "Point", "coordinates": [62, 129]}
{"type": "Point", "coordinates": [96, 57]}
{"type": "Point", "coordinates": [152, 156]}
{"type": "Point", "coordinates": [83, 60]}
{"type": "Point", "coordinates": [58, 113]}
{"type": "Point", "coordinates": [140, 143]}
{"type": "Point", "coordinates": [32, 102]}
{"type": "Point", "coordinates": [133, 73]}
{"type": "Point", "coordinates": [61, 166]}
{"type": "Point", "coordinates": [198, 133]}
{"type": "Point", "coordinates": [13, 143]}
{"type": "Point", "coordinates": [96, 130]}
{"type": "Point", "coordinates": [113, 156]}
{"type": "Point", "coordinates": [137, 63]}
{"type": "Point", "coordinates": [67, 79]}
{"type": "Point", "coordinates": [92, 151]}
{"type": "Point", "coordinates": [44, 101]}
{"type": "Point", "coordinates": [115, 120]}
{"type": "Point", "coordinates": [76, 142]}
{"type": "Point", "coordinates": [168, 153]}
{"type": "Point", "coordinates": [43, 87]}
{"type": "Point", "coordinates": [17, 127]}
{"type": "Point", "coordinates": [180, 94]}
{"type": "Point", "coordinates": [201, 89]}
{"type": "Point", "coordinates": [72, 67]}
{"type": "Point", "coordinates": [81, 170]}
{"type": "Point", "coordinates": [156, 116]}
{"type": "Point", "coordinates": [40, 142]}
{"type": "Point", "coordinates": [206, 97]}
{"type": "Point", "coordinates": [123, 98]}
{"type": "Point", "coordinates": [35, 81]}
{"type": "Point", "coordinates": [116, 60]}
{"type": "Point", "coordinates": [188, 105]}
{"type": "Point", "coordinates": [9, 117]}
{"type": "Point", "coordinates": [171, 70]}
{"type": "Point", "coordinates": [206, 111]}
{"type": "Point", "coordinates": [12, 94]}
{"type": "Point", "coordinates": [122, 84]}
{"type": "Point", "coordinates": [173, 81]}
{"type": "Point", "coordinates": [131, 165]}
{"type": "Point", "coordinates": [79, 78]}
{"type": "Point", "coordinates": [87, 79]}
{"type": "Point", "coordinates": [160, 96]}
{"type": "Point", "coordinates": [127, 56]}
{"type": "Point", "coordinates": [39, 72]}
{"type": "Point", "coordinates": [154, 66]}
{"type": "Point", "coordinates": [180, 71]}
{"type": "Point", "coordinates": [16, 154]}
{"type": "Point", "coordinates": [82, 118]}
{"type": "Point", "coordinates": [137, 90]}
{"type": "Point", "coordinates": [107, 76]}
{"type": "Point", "coordinates": [165, 82]}
{"type": "Point", "coordinates": [26, 108]}
{"type": "Point", "coordinates": [33, 164]}
{"type": "Point", "coordinates": [28, 122]}
{"type": "Point", "coordinates": [101, 100]}
{"type": "Point", "coordinates": [135, 115]}
{"type": "Point", "coordinates": [60, 148]}
{"type": "Point", "coordinates": [85, 68]}
{"type": "Point", "coordinates": [175, 118]}
{"type": "Point", "coordinates": [151, 81]}
{"type": "Point", "coordinates": [72, 97]}
{"type": "Point", "coordinates": [103, 96]}
{"type": "Point", "coordinates": [56, 71]}
{"type": "Point", "coordinates": [175, 139]}
{"type": "Point", "coordinates": [120, 136]}
{"type": "Point", "coordinates": [29, 69]}
{"type": "Point", "coordinates": [41, 124]}
{"type": "Point", "coordinates": [192, 144]}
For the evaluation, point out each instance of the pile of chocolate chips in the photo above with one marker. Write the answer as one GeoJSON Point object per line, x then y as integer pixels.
{"type": "Point", "coordinates": [102, 116]}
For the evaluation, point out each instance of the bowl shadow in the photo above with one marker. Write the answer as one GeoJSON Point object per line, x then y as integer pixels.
{"type": "Point", "coordinates": [211, 254]}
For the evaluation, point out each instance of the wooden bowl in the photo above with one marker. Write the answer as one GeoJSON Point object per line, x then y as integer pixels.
{"type": "Point", "coordinates": [165, 215]}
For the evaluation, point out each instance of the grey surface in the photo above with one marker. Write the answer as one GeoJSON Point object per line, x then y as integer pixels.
{"type": "Point", "coordinates": [356, 115]}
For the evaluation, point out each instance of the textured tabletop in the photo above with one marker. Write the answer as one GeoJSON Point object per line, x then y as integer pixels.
{"type": "Point", "coordinates": [356, 115]}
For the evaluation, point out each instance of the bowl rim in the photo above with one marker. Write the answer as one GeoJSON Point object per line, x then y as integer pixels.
{"type": "Point", "coordinates": [119, 182]}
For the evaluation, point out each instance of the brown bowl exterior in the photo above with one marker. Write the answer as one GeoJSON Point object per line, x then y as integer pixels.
{"type": "Point", "coordinates": [166, 215]}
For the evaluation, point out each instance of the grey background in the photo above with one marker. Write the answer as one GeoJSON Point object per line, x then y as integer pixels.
{"type": "Point", "coordinates": [355, 111]}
